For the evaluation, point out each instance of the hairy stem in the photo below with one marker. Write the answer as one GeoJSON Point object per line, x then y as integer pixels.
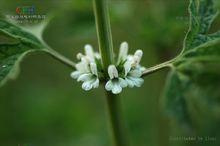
{"type": "Point", "coordinates": [107, 56]}
{"type": "Point", "coordinates": [116, 123]}
{"type": "Point", "coordinates": [104, 32]}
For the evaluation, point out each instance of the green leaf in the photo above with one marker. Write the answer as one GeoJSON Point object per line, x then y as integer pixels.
{"type": "Point", "coordinates": [192, 90]}
{"type": "Point", "coordinates": [202, 14]}
{"type": "Point", "coordinates": [193, 79]}
{"type": "Point", "coordinates": [175, 102]}
{"type": "Point", "coordinates": [15, 43]}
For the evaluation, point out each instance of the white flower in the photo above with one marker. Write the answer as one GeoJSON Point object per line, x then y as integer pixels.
{"type": "Point", "coordinates": [128, 71]}
{"type": "Point", "coordinates": [83, 66]}
{"type": "Point", "coordinates": [116, 83]}
{"type": "Point", "coordinates": [133, 71]}
{"type": "Point", "coordinates": [123, 52]}
{"type": "Point", "coordinates": [89, 53]}
{"type": "Point", "coordinates": [90, 80]}
{"type": "Point", "coordinates": [89, 56]}
{"type": "Point", "coordinates": [136, 58]}
{"type": "Point", "coordinates": [133, 75]}
{"type": "Point", "coordinates": [86, 69]}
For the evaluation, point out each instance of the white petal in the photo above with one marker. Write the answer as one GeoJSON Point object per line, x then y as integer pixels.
{"type": "Point", "coordinates": [89, 51]}
{"type": "Point", "coordinates": [82, 67]}
{"type": "Point", "coordinates": [135, 72]}
{"type": "Point", "coordinates": [79, 56]}
{"type": "Point", "coordinates": [127, 67]}
{"type": "Point", "coordinates": [112, 71]}
{"type": "Point", "coordinates": [137, 81]}
{"type": "Point", "coordinates": [137, 56]}
{"type": "Point", "coordinates": [136, 60]}
{"type": "Point", "coordinates": [123, 52]}
{"type": "Point", "coordinates": [130, 57]}
{"type": "Point", "coordinates": [133, 60]}
{"type": "Point", "coordinates": [116, 88]}
{"type": "Point", "coordinates": [85, 77]}
{"type": "Point", "coordinates": [85, 60]}
{"type": "Point", "coordinates": [87, 85]}
{"type": "Point", "coordinates": [139, 53]}
{"type": "Point", "coordinates": [75, 74]}
{"type": "Point", "coordinates": [122, 83]}
{"type": "Point", "coordinates": [93, 68]}
{"type": "Point", "coordinates": [129, 82]}
{"type": "Point", "coordinates": [95, 84]}
{"type": "Point", "coordinates": [142, 68]}
{"type": "Point", "coordinates": [97, 55]}
{"type": "Point", "coordinates": [79, 66]}
{"type": "Point", "coordinates": [109, 85]}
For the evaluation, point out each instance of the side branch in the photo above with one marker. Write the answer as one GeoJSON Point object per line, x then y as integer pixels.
{"type": "Point", "coordinates": [56, 55]}
{"type": "Point", "coordinates": [158, 67]}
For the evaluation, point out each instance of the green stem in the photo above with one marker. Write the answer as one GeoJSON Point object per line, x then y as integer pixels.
{"type": "Point", "coordinates": [107, 56]}
{"type": "Point", "coordinates": [116, 123]}
{"type": "Point", "coordinates": [167, 64]}
{"type": "Point", "coordinates": [104, 33]}
{"type": "Point", "coordinates": [59, 57]}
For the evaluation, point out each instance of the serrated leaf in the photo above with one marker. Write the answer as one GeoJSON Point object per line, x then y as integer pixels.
{"type": "Point", "coordinates": [197, 72]}
{"type": "Point", "coordinates": [15, 43]}
{"type": "Point", "coordinates": [202, 14]}
{"type": "Point", "coordinates": [175, 101]}
{"type": "Point", "coordinates": [193, 85]}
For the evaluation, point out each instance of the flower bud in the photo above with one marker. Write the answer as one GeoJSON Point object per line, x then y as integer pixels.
{"type": "Point", "coordinates": [89, 51]}
{"type": "Point", "coordinates": [139, 53]}
{"type": "Point", "coordinates": [79, 56]}
{"type": "Point", "coordinates": [137, 56]}
{"type": "Point", "coordinates": [123, 51]}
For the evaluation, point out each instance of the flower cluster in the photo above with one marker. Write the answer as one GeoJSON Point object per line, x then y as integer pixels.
{"type": "Point", "coordinates": [126, 72]}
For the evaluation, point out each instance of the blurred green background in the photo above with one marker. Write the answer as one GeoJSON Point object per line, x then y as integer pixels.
{"type": "Point", "coordinates": [45, 107]}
